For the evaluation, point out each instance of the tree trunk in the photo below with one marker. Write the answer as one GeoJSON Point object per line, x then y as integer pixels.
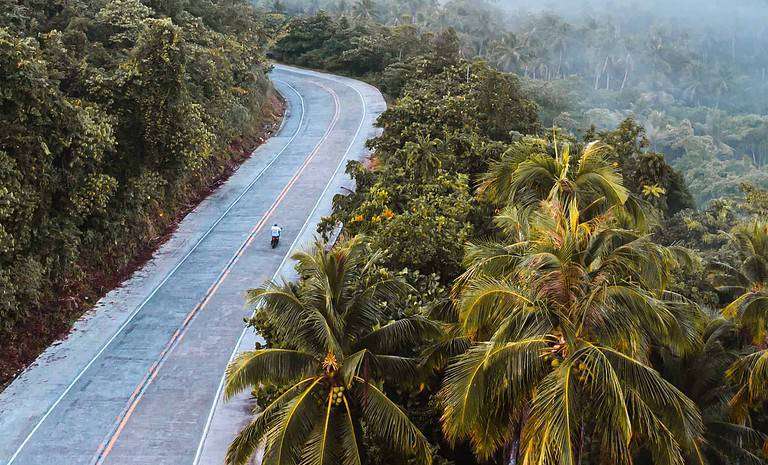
{"type": "Point", "coordinates": [514, 448]}
{"type": "Point", "coordinates": [597, 77]}
{"type": "Point", "coordinates": [626, 71]}
{"type": "Point", "coordinates": [513, 452]}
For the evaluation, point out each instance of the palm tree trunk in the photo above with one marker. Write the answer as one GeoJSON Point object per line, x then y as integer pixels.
{"type": "Point", "coordinates": [597, 77]}
{"type": "Point", "coordinates": [605, 69]}
{"type": "Point", "coordinates": [513, 452]}
{"type": "Point", "coordinates": [514, 448]}
{"type": "Point", "coordinates": [581, 444]}
{"type": "Point", "coordinates": [626, 71]}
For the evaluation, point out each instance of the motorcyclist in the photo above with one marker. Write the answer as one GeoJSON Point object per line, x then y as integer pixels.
{"type": "Point", "coordinates": [276, 230]}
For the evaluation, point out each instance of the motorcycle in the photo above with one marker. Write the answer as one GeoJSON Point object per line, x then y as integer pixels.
{"type": "Point", "coordinates": [275, 241]}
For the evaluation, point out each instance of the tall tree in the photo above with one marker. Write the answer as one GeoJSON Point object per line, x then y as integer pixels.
{"type": "Point", "coordinates": [528, 173]}
{"type": "Point", "coordinates": [561, 319]}
{"type": "Point", "coordinates": [337, 352]}
{"type": "Point", "coordinates": [748, 284]}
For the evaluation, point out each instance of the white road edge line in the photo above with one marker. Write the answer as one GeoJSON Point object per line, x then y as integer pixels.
{"type": "Point", "coordinates": [161, 284]}
{"type": "Point", "coordinates": [100, 457]}
{"type": "Point", "coordinates": [212, 411]}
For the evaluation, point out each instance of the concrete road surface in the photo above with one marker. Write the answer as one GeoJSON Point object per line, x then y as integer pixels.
{"type": "Point", "coordinates": [139, 379]}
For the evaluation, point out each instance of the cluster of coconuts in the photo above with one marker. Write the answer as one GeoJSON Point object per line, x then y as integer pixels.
{"type": "Point", "coordinates": [554, 360]}
{"type": "Point", "coordinates": [580, 368]}
{"type": "Point", "coordinates": [337, 393]}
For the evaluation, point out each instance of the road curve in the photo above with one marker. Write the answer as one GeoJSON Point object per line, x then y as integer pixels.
{"type": "Point", "coordinates": [138, 382]}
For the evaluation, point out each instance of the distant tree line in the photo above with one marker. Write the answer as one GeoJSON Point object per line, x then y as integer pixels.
{"type": "Point", "coordinates": [696, 86]}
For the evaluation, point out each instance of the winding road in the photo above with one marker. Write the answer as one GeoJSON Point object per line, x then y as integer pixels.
{"type": "Point", "coordinates": [138, 381]}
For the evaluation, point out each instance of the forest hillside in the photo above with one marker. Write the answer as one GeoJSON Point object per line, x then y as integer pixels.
{"type": "Point", "coordinates": [115, 117]}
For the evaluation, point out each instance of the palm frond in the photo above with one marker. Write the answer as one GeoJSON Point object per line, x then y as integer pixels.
{"type": "Point", "coordinates": [250, 438]}
{"type": "Point", "coordinates": [437, 355]}
{"type": "Point", "coordinates": [750, 373]}
{"type": "Point", "coordinates": [349, 443]}
{"type": "Point", "coordinates": [656, 436]}
{"type": "Point", "coordinates": [487, 301]}
{"type": "Point", "coordinates": [548, 437]}
{"type": "Point", "coordinates": [289, 429]}
{"type": "Point", "coordinates": [391, 424]}
{"type": "Point", "coordinates": [267, 366]}
{"type": "Point", "coordinates": [405, 333]}
{"type": "Point", "coordinates": [685, 419]}
{"type": "Point", "coordinates": [319, 448]}
{"type": "Point", "coordinates": [471, 383]}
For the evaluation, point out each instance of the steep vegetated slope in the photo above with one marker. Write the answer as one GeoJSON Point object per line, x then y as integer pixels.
{"type": "Point", "coordinates": [115, 117]}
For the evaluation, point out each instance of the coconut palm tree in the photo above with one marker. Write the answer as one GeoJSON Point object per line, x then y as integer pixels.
{"type": "Point", "coordinates": [702, 376]}
{"type": "Point", "coordinates": [561, 320]}
{"type": "Point", "coordinates": [750, 374]}
{"type": "Point", "coordinates": [422, 157]}
{"type": "Point", "coordinates": [336, 352]}
{"type": "Point", "coordinates": [528, 173]}
{"type": "Point", "coordinates": [748, 284]}
{"type": "Point", "coordinates": [508, 52]}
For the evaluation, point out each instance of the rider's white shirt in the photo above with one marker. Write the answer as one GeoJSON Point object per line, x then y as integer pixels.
{"type": "Point", "coordinates": [276, 231]}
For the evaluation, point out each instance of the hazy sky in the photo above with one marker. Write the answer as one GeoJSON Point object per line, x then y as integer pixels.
{"type": "Point", "coordinates": [693, 12]}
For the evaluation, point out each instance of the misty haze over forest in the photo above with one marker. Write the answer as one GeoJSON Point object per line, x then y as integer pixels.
{"type": "Point", "coordinates": [693, 13]}
{"type": "Point", "coordinates": [693, 74]}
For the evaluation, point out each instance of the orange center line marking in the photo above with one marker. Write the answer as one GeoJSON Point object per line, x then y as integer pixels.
{"type": "Point", "coordinates": [135, 398]}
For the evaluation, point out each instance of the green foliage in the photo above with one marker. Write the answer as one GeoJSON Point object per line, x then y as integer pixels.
{"type": "Point", "coordinates": [702, 374]}
{"type": "Point", "coordinates": [418, 201]}
{"type": "Point", "coordinates": [123, 20]}
{"type": "Point", "coordinates": [113, 116]}
{"type": "Point", "coordinates": [561, 317]}
{"type": "Point", "coordinates": [572, 335]}
{"type": "Point", "coordinates": [389, 56]}
{"type": "Point", "coordinates": [645, 173]}
{"type": "Point", "coordinates": [744, 284]}
{"type": "Point", "coordinates": [341, 349]}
